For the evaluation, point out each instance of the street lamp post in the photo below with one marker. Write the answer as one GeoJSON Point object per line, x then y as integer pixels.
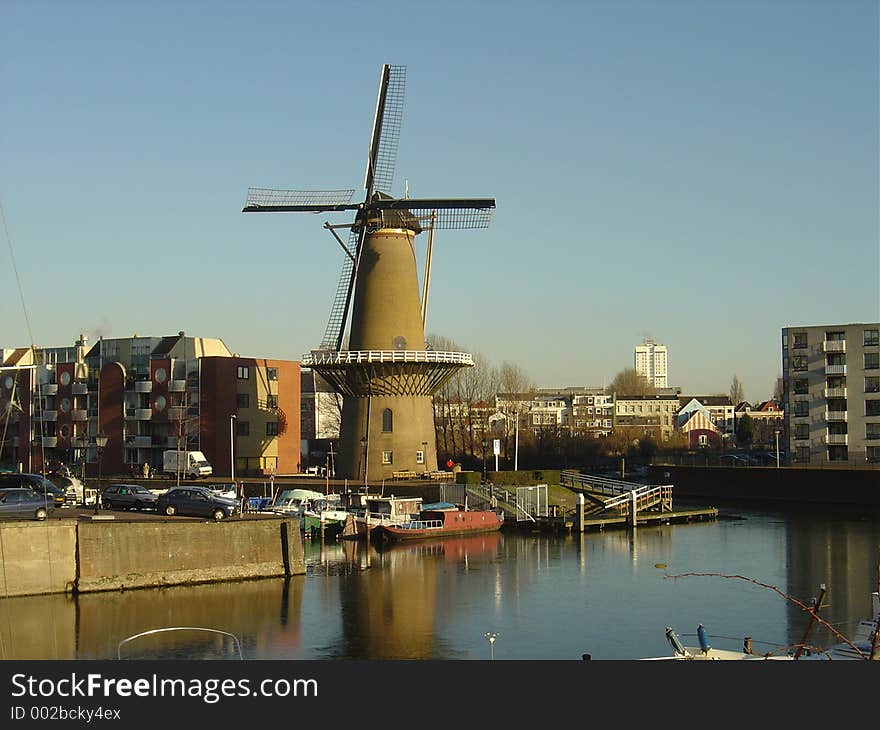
{"type": "Point", "coordinates": [232, 448]}
{"type": "Point", "coordinates": [100, 442]}
{"type": "Point", "coordinates": [490, 637]}
{"type": "Point", "coordinates": [425, 455]}
{"type": "Point", "coordinates": [484, 460]}
{"type": "Point", "coordinates": [364, 445]}
{"type": "Point", "coordinates": [777, 448]}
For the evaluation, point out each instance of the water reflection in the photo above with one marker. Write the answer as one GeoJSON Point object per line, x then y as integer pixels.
{"type": "Point", "coordinates": [544, 596]}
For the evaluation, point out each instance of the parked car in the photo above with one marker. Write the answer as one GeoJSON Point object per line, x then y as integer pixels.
{"type": "Point", "coordinates": [36, 482]}
{"type": "Point", "coordinates": [73, 487]}
{"type": "Point", "coordinates": [195, 502]}
{"type": "Point", "coordinates": [128, 496]}
{"type": "Point", "coordinates": [26, 504]}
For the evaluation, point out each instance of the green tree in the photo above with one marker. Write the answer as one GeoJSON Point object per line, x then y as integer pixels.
{"type": "Point", "coordinates": [744, 430]}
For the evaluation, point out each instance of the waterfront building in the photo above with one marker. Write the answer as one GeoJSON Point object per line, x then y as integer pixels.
{"type": "Point", "coordinates": [148, 394]}
{"type": "Point", "coordinates": [831, 393]}
{"type": "Point", "coordinates": [651, 362]}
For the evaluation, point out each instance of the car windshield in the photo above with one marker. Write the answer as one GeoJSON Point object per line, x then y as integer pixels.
{"type": "Point", "coordinates": [141, 490]}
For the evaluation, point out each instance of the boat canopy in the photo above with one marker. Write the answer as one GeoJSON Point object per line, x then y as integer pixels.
{"type": "Point", "coordinates": [438, 506]}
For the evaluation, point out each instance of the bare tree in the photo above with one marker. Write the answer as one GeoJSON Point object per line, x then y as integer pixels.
{"type": "Point", "coordinates": [629, 382]}
{"type": "Point", "coordinates": [737, 394]}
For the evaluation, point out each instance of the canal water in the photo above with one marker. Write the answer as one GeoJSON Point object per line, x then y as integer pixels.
{"type": "Point", "coordinates": [541, 596]}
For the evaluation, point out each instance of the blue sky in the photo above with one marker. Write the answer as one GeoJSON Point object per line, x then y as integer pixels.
{"type": "Point", "coordinates": [703, 173]}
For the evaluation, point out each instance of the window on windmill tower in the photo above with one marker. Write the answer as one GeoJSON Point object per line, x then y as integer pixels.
{"type": "Point", "coordinates": [387, 421]}
{"type": "Point", "coordinates": [386, 457]}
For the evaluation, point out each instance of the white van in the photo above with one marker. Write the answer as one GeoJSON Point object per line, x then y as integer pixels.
{"type": "Point", "coordinates": [193, 464]}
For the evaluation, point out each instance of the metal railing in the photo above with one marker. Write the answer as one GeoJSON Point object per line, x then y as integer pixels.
{"type": "Point", "coordinates": [354, 357]}
{"type": "Point", "coordinates": [420, 525]}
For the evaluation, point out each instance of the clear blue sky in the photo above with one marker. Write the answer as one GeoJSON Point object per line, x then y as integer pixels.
{"type": "Point", "coordinates": [701, 172]}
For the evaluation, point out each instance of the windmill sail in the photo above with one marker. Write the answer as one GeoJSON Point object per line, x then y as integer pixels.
{"type": "Point", "coordinates": [339, 310]}
{"type": "Point", "coordinates": [385, 139]}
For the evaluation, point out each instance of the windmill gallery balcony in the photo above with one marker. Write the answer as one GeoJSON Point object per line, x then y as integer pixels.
{"type": "Point", "coordinates": [386, 372]}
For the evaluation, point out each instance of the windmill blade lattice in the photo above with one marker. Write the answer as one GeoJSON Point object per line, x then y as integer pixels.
{"type": "Point", "coordinates": [315, 201]}
{"type": "Point", "coordinates": [386, 131]}
{"type": "Point", "coordinates": [339, 310]}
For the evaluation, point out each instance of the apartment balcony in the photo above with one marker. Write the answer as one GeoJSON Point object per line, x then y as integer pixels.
{"type": "Point", "coordinates": [835, 415]}
{"type": "Point", "coordinates": [143, 414]}
{"type": "Point", "coordinates": [80, 388]}
{"type": "Point", "coordinates": [836, 439]}
{"type": "Point", "coordinates": [835, 369]}
{"type": "Point", "coordinates": [50, 442]}
{"type": "Point", "coordinates": [49, 389]}
{"type": "Point", "coordinates": [834, 393]}
{"type": "Point", "coordinates": [177, 413]}
{"type": "Point", "coordinates": [46, 416]}
{"type": "Point", "coordinates": [143, 386]}
{"type": "Point", "coordinates": [834, 346]}
{"type": "Point", "coordinates": [176, 386]}
{"type": "Point", "coordinates": [139, 442]}
{"type": "Point", "coordinates": [79, 414]}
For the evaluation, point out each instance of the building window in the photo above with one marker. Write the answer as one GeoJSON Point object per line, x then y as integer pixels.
{"type": "Point", "coordinates": [420, 457]}
{"type": "Point", "coordinates": [272, 402]}
{"type": "Point", "coordinates": [386, 457]}
{"type": "Point", "coordinates": [244, 372]}
{"type": "Point", "coordinates": [872, 338]}
{"type": "Point", "coordinates": [835, 337]}
{"type": "Point", "coordinates": [836, 358]}
{"type": "Point", "coordinates": [799, 362]}
{"type": "Point", "coordinates": [800, 387]}
{"type": "Point", "coordinates": [243, 399]}
{"type": "Point", "coordinates": [873, 454]}
{"type": "Point", "coordinates": [801, 408]}
{"type": "Point", "coordinates": [799, 340]}
{"type": "Point", "coordinates": [872, 430]}
{"type": "Point", "coordinates": [872, 384]}
{"type": "Point", "coordinates": [802, 431]}
{"type": "Point", "coordinates": [271, 373]}
{"type": "Point", "coordinates": [387, 422]}
{"type": "Point", "coordinates": [272, 428]}
{"type": "Point", "coordinates": [838, 453]}
{"type": "Point", "coordinates": [802, 454]}
{"type": "Point", "coordinates": [872, 407]}
{"type": "Point", "coordinates": [872, 360]}
{"type": "Point", "coordinates": [242, 428]}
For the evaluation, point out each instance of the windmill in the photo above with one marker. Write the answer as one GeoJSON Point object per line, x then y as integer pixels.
{"type": "Point", "coordinates": [385, 373]}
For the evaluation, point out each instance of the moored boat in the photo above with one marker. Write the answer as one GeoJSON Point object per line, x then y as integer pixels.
{"type": "Point", "coordinates": [443, 519]}
{"type": "Point", "coordinates": [370, 513]}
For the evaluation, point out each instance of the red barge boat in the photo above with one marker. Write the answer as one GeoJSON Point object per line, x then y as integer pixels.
{"type": "Point", "coordinates": [443, 519]}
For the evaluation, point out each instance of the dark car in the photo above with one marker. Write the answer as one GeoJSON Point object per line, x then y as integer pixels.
{"type": "Point", "coordinates": [195, 502]}
{"type": "Point", "coordinates": [128, 496]}
{"type": "Point", "coordinates": [35, 482]}
{"type": "Point", "coordinates": [24, 504]}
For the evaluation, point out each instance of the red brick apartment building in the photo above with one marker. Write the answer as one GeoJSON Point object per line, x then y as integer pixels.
{"type": "Point", "coordinates": [149, 394]}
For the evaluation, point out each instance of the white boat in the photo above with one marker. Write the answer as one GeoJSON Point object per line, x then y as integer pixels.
{"type": "Point", "coordinates": [863, 645]}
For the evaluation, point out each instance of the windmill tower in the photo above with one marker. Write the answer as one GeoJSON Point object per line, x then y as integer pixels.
{"type": "Point", "coordinates": [385, 374]}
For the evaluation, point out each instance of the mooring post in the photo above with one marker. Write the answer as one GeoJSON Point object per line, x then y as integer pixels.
{"type": "Point", "coordinates": [580, 513]}
{"type": "Point", "coordinates": [633, 508]}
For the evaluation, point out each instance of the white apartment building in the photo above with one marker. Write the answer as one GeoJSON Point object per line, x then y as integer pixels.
{"type": "Point", "coordinates": [650, 361]}
{"type": "Point", "coordinates": [831, 393]}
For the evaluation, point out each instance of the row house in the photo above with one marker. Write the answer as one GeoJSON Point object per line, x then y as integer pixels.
{"type": "Point", "coordinates": [767, 420]}
{"type": "Point", "coordinates": [651, 415]}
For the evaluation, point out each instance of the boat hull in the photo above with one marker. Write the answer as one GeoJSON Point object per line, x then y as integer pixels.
{"type": "Point", "coordinates": [453, 524]}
